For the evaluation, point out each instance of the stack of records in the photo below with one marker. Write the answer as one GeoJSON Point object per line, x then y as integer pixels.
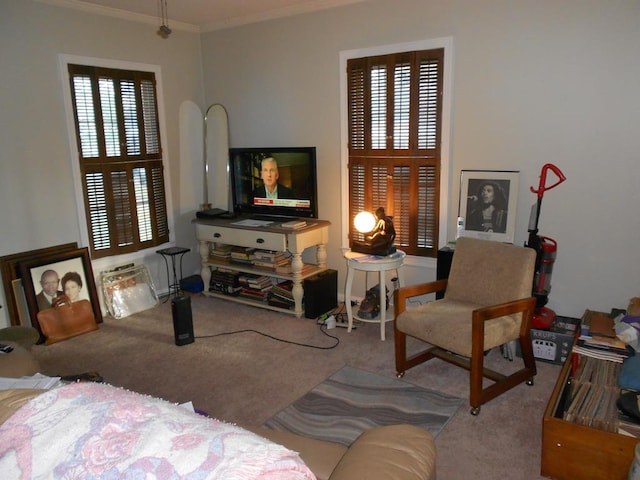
{"type": "Point", "coordinates": [269, 259]}
{"type": "Point", "coordinates": [281, 296]}
{"type": "Point", "coordinates": [255, 287]}
{"type": "Point", "coordinates": [224, 281]}
{"type": "Point", "coordinates": [593, 395]}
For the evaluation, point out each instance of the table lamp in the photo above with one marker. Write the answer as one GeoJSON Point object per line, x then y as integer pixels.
{"type": "Point", "coordinates": [379, 233]}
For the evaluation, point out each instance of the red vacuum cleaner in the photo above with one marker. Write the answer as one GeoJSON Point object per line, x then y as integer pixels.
{"type": "Point", "coordinates": [546, 249]}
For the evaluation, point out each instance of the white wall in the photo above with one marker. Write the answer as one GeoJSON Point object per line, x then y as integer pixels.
{"type": "Point", "coordinates": [534, 82]}
{"type": "Point", "coordinates": [36, 184]}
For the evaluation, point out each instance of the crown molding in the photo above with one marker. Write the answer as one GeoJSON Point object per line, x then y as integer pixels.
{"type": "Point", "coordinates": [296, 9]}
{"type": "Point", "coordinates": [118, 13]}
{"type": "Point", "coordinates": [290, 11]}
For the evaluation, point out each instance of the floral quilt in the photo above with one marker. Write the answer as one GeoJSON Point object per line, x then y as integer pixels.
{"type": "Point", "coordinates": [97, 431]}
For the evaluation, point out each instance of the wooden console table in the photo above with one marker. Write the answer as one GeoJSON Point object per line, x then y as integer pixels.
{"type": "Point", "coordinates": [270, 237]}
{"type": "Point", "coordinates": [571, 451]}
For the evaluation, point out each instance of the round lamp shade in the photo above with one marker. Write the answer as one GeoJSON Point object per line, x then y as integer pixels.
{"type": "Point", "coordinates": [364, 222]}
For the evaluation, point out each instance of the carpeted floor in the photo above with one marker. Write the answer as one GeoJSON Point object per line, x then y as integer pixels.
{"type": "Point", "coordinates": [247, 378]}
{"type": "Point", "coordinates": [353, 400]}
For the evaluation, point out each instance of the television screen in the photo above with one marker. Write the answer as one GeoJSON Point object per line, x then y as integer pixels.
{"type": "Point", "coordinates": [274, 181]}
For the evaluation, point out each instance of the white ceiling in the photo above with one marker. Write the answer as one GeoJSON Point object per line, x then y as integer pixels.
{"type": "Point", "coordinates": [201, 15]}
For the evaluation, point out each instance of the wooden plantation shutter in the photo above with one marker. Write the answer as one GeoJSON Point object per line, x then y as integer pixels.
{"type": "Point", "coordinates": [118, 136]}
{"type": "Point", "coordinates": [394, 109]}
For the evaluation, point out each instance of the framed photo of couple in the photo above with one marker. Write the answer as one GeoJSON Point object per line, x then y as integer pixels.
{"type": "Point", "coordinates": [488, 204]}
{"type": "Point", "coordinates": [48, 277]}
{"type": "Point", "coordinates": [12, 280]}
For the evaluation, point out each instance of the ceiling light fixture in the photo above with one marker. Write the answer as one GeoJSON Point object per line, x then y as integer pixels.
{"type": "Point", "coordinates": [164, 31]}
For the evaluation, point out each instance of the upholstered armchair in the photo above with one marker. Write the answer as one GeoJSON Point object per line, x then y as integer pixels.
{"type": "Point", "coordinates": [487, 303]}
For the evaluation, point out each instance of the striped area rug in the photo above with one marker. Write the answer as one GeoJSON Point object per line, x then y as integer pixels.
{"type": "Point", "coordinates": [353, 400]}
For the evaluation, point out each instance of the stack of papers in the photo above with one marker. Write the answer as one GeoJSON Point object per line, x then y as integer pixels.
{"type": "Point", "coordinates": [599, 340]}
{"type": "Point", "coordinates": [38, 381]}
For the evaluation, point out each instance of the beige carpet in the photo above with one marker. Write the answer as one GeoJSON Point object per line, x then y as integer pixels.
{"type": "Point", "coordinates": [247, 377]}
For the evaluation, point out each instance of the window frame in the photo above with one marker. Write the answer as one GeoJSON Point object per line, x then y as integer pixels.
{"type": "Point", "coordinates": [74, 156]}
{"type": "Point", "coordinates": [445, 43]}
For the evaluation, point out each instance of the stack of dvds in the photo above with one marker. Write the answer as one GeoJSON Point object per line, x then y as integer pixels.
{"type": "Point", "coordinates": [224, 281]}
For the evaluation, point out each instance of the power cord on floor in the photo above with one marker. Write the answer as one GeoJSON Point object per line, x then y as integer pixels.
{"type": "Point", "coordinates": [249, 330]}
{"type": "Point", "coordinates": [341, 315]}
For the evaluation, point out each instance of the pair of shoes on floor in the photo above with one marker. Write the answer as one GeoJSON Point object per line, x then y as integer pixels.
{"type": "Point", "coordinates": [370, 306]}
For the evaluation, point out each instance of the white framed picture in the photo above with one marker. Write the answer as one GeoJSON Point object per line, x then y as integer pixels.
{"type": "Point", "coordinates": [488, 204]}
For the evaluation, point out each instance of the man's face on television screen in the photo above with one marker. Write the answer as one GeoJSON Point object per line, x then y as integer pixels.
{"type": "Point", "coordinates": [269, 173]}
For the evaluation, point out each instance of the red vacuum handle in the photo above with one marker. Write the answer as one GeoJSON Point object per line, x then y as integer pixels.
{"type": "Point", "coordinates": [543, 179]}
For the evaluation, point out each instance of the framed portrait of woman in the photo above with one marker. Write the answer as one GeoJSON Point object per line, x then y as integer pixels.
{"type": "Point", "coordinates": [488, 204]}
{"type": "Point", "coordinates": [64, 273]}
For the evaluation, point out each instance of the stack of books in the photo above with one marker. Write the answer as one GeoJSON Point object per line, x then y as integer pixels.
{"type": "Point", "coordinates": [281, 296]}
{"type": "Point", "coordinates": [242, 255]}
{"type": "Point", "coordinates": [294, 224]}
{"type": "Point", "coordinates": [224, 281]}
{"type": "Point", "coordinates": [287, 269]}
{"type": "Point", "coordinates": [220, 253]}
{"type": "Point", "coordinates": [269, 259]}
{"type": "Point", "coordinates": [255, 287]}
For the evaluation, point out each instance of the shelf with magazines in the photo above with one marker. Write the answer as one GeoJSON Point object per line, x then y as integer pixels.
{"type": "Point", "coordinates": [583, 435]}
{"type": "Point", "coordinates": [244, 264]}
{"type": "Point", "coordinates": [256, 286]}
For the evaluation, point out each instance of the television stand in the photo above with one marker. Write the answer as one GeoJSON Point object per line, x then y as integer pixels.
{"type": "Point", "coordinates": [315, 233]}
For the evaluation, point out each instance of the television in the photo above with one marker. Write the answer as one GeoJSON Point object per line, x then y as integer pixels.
{"type": "Point", "coordinates": [296, 179]}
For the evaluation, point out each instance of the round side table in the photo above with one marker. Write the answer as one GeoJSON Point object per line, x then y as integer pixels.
{"type": "Point", "coordinates": [370, 263]}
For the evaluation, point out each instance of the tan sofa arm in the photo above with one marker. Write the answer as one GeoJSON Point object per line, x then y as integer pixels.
{"type": "Point", "coordinates": [321, 457]}
{"type": "Point", "coordinates": [396, 451]}
{"type": "Point", "coordinates": [11, 400]}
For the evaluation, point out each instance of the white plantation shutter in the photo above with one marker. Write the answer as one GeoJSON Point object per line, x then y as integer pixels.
{"type": "Point", "coordinates": [120, 158]}
{"type": "Point", "coordinates": [394, 108]}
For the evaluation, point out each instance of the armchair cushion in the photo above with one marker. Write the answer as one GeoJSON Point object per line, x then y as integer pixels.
{"type": "Point", "coordinates": [447, 323]}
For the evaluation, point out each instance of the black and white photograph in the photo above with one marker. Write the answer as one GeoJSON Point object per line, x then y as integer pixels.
{"type": "Point", "coordinates": [488, 201]}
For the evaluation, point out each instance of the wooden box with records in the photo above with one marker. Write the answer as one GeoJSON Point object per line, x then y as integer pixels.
{"type": "Point", "coordinates": [582, 436]}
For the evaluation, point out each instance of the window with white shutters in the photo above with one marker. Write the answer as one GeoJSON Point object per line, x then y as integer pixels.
{"type": "Point", "coordinates": [394, 114]}
{"type": "Point", "coordinates": [118, 137]}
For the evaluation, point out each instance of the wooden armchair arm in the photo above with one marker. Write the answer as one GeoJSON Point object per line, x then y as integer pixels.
{"type": "Point", "coordinates": [401, 295]}
{"type": "Point", "coordinates": [526, 306]}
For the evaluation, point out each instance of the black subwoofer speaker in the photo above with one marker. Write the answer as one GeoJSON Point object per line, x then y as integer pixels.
{"type": "Point", "coordinates": [320, 293]}
{"type": "Point", "coordinates": [182, 320]}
